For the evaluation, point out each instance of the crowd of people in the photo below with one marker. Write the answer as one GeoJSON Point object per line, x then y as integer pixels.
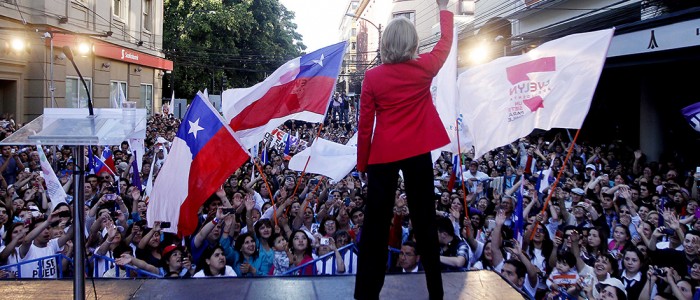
{"type": "Point", "coordinates": [616, 224]}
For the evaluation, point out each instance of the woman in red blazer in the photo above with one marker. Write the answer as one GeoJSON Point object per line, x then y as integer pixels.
{"type": "Point", "coordinates": [397, 96]}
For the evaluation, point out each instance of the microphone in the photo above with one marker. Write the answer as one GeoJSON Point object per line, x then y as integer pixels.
{"type": "Point", "coordinates": [69, 54]}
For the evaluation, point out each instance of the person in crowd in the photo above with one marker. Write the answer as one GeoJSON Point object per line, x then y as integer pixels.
{"type": "Point", "coordinates": [283, 254]}
{"type": "Point", "coordinates": [633, 273]}
{"type": "Point", "coordinates": [212, 263]}
{"type": "Point", "coordinates": [173, 263]}
{"type": "Point", "coordinates": [332, 264]}
{"type": "Point", "coordinates": [408, 259]}
{"type": "Point", "coordinates": [514, 272]}
{"type": "Point", "coordinates": [301, 252]}
{"type": "Point", "coordinates": [10, 164]}
{"type": "Point", "coordinates": [611, 289]}
{"type": "Point", "coordinates": [381, 159]}
{"type": "Point", "coordinates": [248, 262]}
{"type": "Point", "coordinates": [9, 251]}
{"type": "Point", "coordinates": [37, 244]}
{"type": "Point", "coordinates": [149, 248]}
{"type": "Point", "coordinates": [454, 252]}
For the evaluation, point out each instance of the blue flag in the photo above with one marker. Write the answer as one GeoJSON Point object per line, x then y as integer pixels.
{"type": "Point", "coordinates": [286, 146]}
{"type": "Point", "coordinates": [519, 211]}
{"type": "Point", "coordinates": [135, 176]}
{"type": "Point", "coordinates": [263, 156]}
{"type": "Point", "coordinates": [91, 161]}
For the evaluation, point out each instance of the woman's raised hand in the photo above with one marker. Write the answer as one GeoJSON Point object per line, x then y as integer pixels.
{"type": "Point", "coordinates": [442, 4]}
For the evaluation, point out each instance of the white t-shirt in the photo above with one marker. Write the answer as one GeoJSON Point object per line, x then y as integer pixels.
{"type": "Point", "coordinates": [101, 264]}
{"type": "Point", "coordinates": [228, 272]}
{"type": "Point", "coordinates": [12, 259]}
{"type": "Point", "coordinates": [49, 267]}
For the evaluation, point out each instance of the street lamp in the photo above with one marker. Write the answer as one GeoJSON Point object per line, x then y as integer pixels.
{"type": "Point", "coordinates": [379, 32]}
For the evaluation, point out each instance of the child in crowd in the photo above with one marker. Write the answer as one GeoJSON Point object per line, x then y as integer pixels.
{"type": "Point", "coordinates": [564, 276]}
{"type": "Point", "coordinates": [280, 264]}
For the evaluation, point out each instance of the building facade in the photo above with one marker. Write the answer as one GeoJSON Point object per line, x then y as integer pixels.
{"type": "Point", "coordinates": [116, 45]}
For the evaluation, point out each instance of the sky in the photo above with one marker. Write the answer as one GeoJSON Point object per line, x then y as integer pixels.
{"type": "Point", "coordinates": [317, 21]}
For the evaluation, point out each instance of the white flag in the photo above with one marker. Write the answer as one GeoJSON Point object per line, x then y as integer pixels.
{"type": "Point", "coordinates": [54, 188]}
{"type": "Point", "coordinates": [550, 86]}
{"type": "Point", "coordinates": [444, 92]}
{"type": "Point", "coordinates": [327, 158]}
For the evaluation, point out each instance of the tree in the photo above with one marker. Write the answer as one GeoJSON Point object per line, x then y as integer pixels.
{"type": "Point", "coordinates": [239, 42]}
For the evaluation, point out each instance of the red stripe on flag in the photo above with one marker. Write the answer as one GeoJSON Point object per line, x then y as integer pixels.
{"type": "Point", "coordinates": [208, 171]}
{"type": "Point", "coordinates": [303, 94]}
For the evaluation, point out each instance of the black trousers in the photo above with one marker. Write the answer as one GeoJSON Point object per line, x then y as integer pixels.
{"type": "Point", "coordinates": [373, 244]}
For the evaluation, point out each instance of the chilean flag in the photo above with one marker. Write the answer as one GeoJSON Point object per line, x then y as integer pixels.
{"type": "Point", "coordinates": [300, 90]}
{"type": "Point", "coordinates": [105, 163]}
{"type": "Point", "coordinates": [204, 153]}
{"type": "Point", "coordinates": [456, 173]}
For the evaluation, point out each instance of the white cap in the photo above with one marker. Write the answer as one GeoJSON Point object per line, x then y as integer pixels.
{"type": "Point", "coordinates": [614, 282]}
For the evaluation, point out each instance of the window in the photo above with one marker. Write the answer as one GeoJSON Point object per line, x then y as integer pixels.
{"type": "Point", "coordinates": [76, 95]}
{"type": "Point", "coordinates": [147, 97]}
{"type": "Point", "coordinates": [114, 93]}
{"type": "Point", "coordinates": [118, 8]}
{"type": "Point", "coordinates": [354, 45]}
{"type": "Point", "coordinates": [147, 15]}
{"type": "Point", "coordinates": [410, 15]}
{"type": "Point", "coordinates": [354, 31]}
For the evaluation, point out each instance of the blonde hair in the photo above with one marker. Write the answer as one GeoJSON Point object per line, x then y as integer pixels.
{"type": "Point", "coordinates": [399, 41]}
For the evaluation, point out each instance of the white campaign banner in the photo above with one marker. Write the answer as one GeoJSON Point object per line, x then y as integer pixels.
{"type": "Point", "coordinates": [549, 87]}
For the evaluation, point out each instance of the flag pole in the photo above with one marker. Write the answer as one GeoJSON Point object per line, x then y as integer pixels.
{"type": "Point", "coordinates": [556, 181]}
{"type": "Point", "coordinates": [461, 179]}
{"type": "Point", "coordinates": [308, 159]}
{"type": "Point", "coordinates": [269, 191]}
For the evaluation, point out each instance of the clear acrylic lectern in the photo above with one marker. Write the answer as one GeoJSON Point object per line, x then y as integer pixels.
{"type": "Point", "coordinates": [75, 127]}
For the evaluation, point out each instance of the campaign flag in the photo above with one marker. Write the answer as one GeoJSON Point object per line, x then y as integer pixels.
{"type": "Point", "coordinates": [91, 161]}
{"type": "Point", "coordinates": [519, 210]}
{"type": "Point", "coordinates": [550, 86]}
{"type": "Point", "coordinates": [203, 155]}
{"type": "Point", "coordinates": [54, 188]}
{"type": "Point", "coordinates": [300, 90]}
{"type": "Point", "coordinates": [327, 158]}
{"type": "Point", "coordinates": [445, 95]}
{"type": "Point", "coordinates": [692, 115]}
{"type": "Point", "coordinates": [287, 145]}
{"type": "Point", "coordinates": [136, 173]}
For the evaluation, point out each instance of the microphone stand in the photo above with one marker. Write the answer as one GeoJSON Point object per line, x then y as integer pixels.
{"type": "Point", "coordinates": [79, 201]}
{"type": "Point", "coordinates": [69, 54]}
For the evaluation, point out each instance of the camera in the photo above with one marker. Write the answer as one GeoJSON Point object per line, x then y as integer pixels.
{"type": "Point", "coordinates": [164, 225]}
{"type": "Point", "coordinates": [226, 211]}
{"type": "Point", "coordinates": [325, 241]}
{"type": "Point", "coordinates": [659, 272]}
{"type": "Point", "coordinates": [64, 214]}
{"type": "Point", "coordinates": [508, 244]}
{"type": "Point", "coordinates": [669, 231]}
{"type": "Point", "coordinates": [110, 197]}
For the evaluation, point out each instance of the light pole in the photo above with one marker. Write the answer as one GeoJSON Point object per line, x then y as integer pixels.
{"type": "Point", "coordinates": [379, 32]}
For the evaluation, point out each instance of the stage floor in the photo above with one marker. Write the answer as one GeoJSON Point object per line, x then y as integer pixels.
{"type": "Point", "coordinates": [463, 285]}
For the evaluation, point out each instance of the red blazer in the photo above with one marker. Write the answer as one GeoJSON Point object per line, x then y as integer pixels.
{"type": "Point", "coordinates": [398, 97]}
